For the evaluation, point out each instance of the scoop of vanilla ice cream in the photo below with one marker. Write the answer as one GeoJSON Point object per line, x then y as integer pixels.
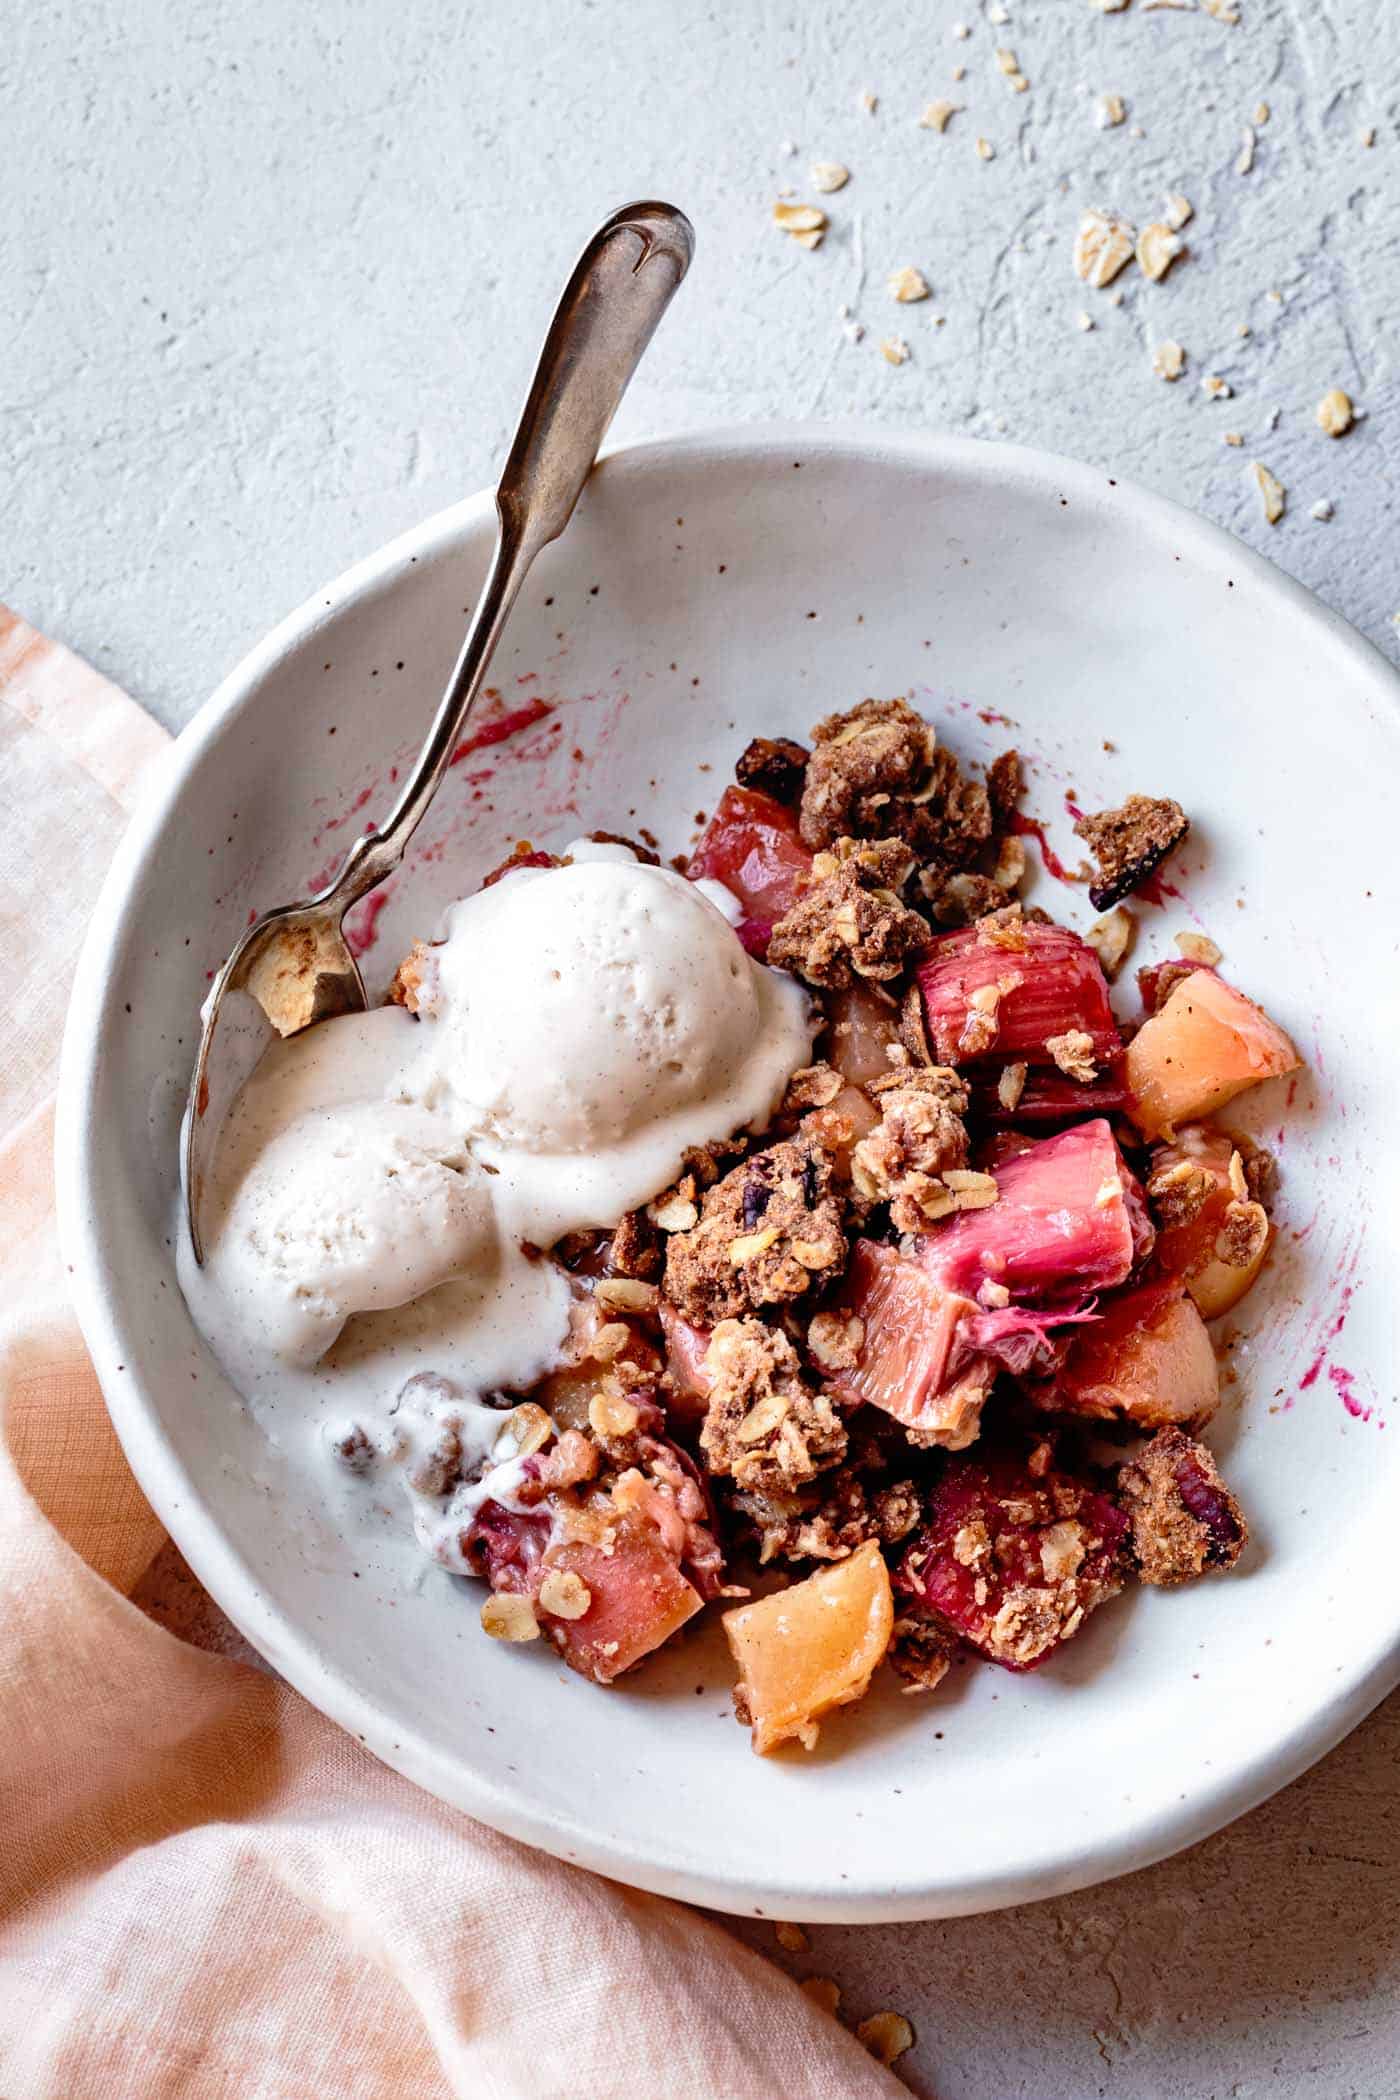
{"type": "Point", "coordinates": [570, 1007]}
{"type": "Point", "coordinates": [355, 1208]}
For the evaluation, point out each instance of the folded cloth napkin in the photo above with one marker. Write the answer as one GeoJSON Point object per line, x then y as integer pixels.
{"type": "Point", "coordinates": [205, 1887]}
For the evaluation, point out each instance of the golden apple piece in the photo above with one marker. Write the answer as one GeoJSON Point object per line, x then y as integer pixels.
{"type": "Point", "coordinates": [811, 1647]}
{"type": "Point", "coordinates": [1206, 1044]}
{"type": "Point", "coordinates": [1216, 1241]}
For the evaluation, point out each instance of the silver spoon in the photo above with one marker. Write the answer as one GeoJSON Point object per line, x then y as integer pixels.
{"type": "Point", "coordinates": [293, 967]}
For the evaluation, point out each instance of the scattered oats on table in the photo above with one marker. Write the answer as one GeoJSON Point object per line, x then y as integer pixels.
{"type": "Point", "coordinates": [803, 223]}
{"type": "Point", "coordinates": [1177, 210]}
{"type": "Point", "coordinates": [1272, 492]}
{"type": "Point", "coordinates": [1335, 413]}
{"type": "Point", "coordinates": [886, 2035]}
{"type": "Point", "coordinates": [1368, 136]}
{"type": "Point", "coordinates": [1321, 510]}
{"type": "Point", "coordinates": [869, 102]}
{"type": "Point", "coordinates": [1234, 437]}
{"type": "Point", "coordinates": [1109, 7]}
{"type": "Point", "coordinates": [1084, 321]}
{"type": "Point", "coordinates": [895, 350]}
{"type": "Point", "coordinates": [1109, 111]}
{"type": "Point", "coordinates": [1157, 249]}
{"type": "Point", "coordinates": [907, 285]}
{"type": "Point", "coordinates": [1262, 113]}
{"type": "Point", "coordinates": [829, 175]}
{"type": "Point", "coordinates": [1169, 360]}
{"type": "Point", "coordinates": [936, 115]}
{"type": "Point", "coordinates": [986, 150]}
{"type": "Point", "coordinates": [1102, 247]}
{"type": "Point", "coordinates": [1215, 388]}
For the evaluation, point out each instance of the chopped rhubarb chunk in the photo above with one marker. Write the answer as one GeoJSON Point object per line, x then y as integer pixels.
{"type": "Point", "coordinates": [1060, 1229]}
{"type": "Point", "coordinates": [506, 1545]}
{"type": "Point", "coordinates": [1148, 1361]}
{"type": "Point", "coordinates": [1048, 1096]}
{"type": "Point", "coordinates": [751, 845]}
{"type": "Point", "coordinates": [911, 1363]}
{"type": "Point", "coordinates": [1028, 1341]}
{"type": "Point", "coordinates": [1009, 989]}
{"type": "Point", "coordinates": [1204, 1045]}
{"type": "Point", "coordinates": [636, 1598]}
{"type": "Point", "coordinates": [1013, 1562]}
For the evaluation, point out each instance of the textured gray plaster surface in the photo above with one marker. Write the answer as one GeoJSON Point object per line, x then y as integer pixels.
{"type": "Point", "coordinates": [272, 281]}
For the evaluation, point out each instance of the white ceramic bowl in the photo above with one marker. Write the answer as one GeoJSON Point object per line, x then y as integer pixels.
{"type": "Point", "coordinates": [709, 589]}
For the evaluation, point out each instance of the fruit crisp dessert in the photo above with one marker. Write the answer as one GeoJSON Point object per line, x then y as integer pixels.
{"type": "Point", "coordinates": [798, 1227]}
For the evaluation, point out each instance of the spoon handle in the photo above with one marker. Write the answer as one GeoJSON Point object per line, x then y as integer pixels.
{"type": "Point", "coordinates": [620, 287]}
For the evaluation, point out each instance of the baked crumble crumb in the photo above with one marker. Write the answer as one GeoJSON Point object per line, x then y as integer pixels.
{"type": "Point", "coordinates": [919, 1136]}
{"type": "Point", "coordinates": [770, 1231]}
{"type": "Point", "coordinates": [765, 1427]}
{"type": "Point", "coordinates": [849, 922]}
{"type": "Point", "coordinates": [920, 1653]}
{"type": "Point", "coordinates": [1073, 1052]}
{"type": "Point", "coordinates": [407, 983]}
{"type": "Point", "coordinates": [1130, 842]}
{"type": "Point", "coordinates": [776, 766]}
{"type": "Point", "coordinates": [1183, 1519]}
{"type": "Point", "coordinates": [860, 760]}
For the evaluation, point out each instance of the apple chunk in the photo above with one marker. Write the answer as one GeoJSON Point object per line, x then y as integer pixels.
{"type": "Point", "coordinates": [1147, 1361]}
{"type": "Point", "coordinates": [1212, 1234]}
{"type": "Point", "coordinates": [811, 1647]}
{"type": "Point", "coordinates": [1206, 1044]}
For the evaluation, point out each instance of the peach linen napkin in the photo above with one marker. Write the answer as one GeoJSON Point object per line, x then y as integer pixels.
{"type": "Point", "coordinates": [205, 1887]}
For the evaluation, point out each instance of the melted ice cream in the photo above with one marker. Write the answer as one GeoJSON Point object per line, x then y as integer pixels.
{"type": "Point", "coordinates": [384, 1184]}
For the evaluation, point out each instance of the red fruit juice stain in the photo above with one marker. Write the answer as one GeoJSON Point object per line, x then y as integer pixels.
{"type": "Point", "coordinates": [1073, 808]}
{"type": "Point", "coordinates": [334, 823]}
{"type": "Point", "coordinates": [362, 924]}
{"type": "Point", "coordinates": [1155, 889]}
{"type": "Point", "coordinates": [993, 717]}
{"type": "Point", "coordinates": [1345, 1384]}
{"type": "Point", "coordinates": [500, 727]}
{"type": "Point", "coordinates": [1031, 828]}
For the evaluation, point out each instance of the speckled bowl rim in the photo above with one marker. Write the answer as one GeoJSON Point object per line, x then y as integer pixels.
{"type": "Point", "coordinates": [175, 1494]}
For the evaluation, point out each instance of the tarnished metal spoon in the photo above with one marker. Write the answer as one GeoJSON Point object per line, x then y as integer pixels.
{"type": "Point", "coordinates": [293, 967]}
